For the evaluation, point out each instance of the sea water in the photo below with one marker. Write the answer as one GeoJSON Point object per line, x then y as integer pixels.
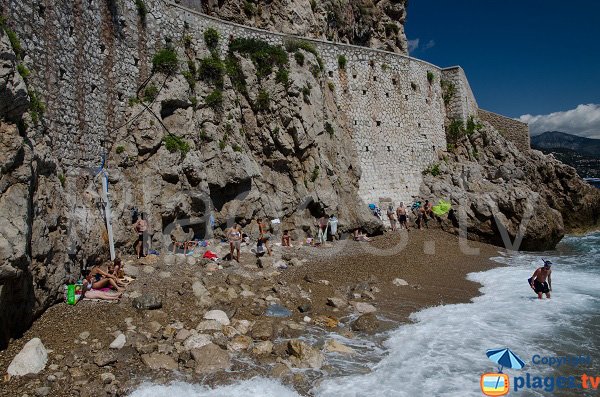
{"type": "Point", "coordinates": [443, 352]}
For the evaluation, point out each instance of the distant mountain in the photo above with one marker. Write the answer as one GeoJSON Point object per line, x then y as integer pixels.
{"type": "Point", "coordinates": [583, 154]}
{"type": "Point", "coordinates": [562, 140]}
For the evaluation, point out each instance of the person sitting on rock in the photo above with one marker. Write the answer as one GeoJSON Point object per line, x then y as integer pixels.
{"type": "Point", "coordinates": [285, 239]}
{"type": "Point", "coordinates": [359, 236]}
{"type": "Point", "coordinates": [101, 279]}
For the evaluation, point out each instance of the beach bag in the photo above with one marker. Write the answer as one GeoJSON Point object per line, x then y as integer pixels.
{"type": "Point", "coordinates": [71, 300]}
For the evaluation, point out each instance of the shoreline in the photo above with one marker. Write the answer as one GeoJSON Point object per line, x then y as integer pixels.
{"type": "Point", "coordinates": [430, 262]}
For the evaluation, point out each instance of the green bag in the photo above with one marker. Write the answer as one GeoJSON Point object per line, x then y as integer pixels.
{"type": "Point", "coordinates": [71, 300]}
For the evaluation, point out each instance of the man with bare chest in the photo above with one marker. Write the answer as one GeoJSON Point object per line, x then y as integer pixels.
{"type": "Point", "coordinates": [538, 281]}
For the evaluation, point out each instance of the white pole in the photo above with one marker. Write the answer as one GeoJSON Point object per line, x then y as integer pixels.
{"type": "Point", "coordinates": [107, 214]}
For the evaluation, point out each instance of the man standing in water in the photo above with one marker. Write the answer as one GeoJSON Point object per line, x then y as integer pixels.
{"type": "Point", "coordinates": [538, 280]}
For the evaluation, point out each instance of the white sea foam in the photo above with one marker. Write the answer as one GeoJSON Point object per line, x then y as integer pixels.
{"type": "Point", "coordinates": [443, 352]}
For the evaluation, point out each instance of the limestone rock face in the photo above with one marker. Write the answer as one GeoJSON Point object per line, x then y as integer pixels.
{"type": "Point", "coordinates": [497, 189]}
{"type": "Point", "coordinates": [375, 24]}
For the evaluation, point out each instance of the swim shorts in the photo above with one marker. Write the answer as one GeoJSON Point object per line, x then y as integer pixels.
{"type": "Point", "coordinates": [540, 287]}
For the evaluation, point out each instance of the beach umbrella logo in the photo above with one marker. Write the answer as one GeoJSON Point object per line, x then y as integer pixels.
{"type": "Point", "coordinates": [498, 384]}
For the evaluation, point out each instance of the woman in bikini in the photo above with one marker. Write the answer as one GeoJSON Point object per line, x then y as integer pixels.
{"type": "Point", "coordinates": [264, 236]}
{"type": "Point", "coordinates": [101, 279]}
{"type": "Point", "coordinates": [235, 241]}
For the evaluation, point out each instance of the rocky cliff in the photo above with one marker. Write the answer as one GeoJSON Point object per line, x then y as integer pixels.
{"type": "Point", "coordinates": [500, 192]}
{"type": "Point", "coordinates": [374, 24]}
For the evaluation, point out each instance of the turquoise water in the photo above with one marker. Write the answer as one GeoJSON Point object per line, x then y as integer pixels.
{"type": "Point", "coordinates": [443, 352]}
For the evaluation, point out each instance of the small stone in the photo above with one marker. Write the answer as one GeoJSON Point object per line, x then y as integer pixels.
{"type": "Point", "coordinates": [183, 334]}
{"type": "Point", "coordinates": [334, 346]}
{"type": "Point", "coordinates": [217, 315]}
{"type": "Point", "coordinates": [196, 341]}
{"type": "Point", "coordinates": [398, 282]}
{"type": "Point", "coordinates": [84, 335]}
{"type": "Point", "coordinates": [210, 358]}
{"type": "Point", "coordinates": [307, 319]}
{"type": "Point", "coordinates": [147, 302]}
{"type": "Point", "coordinates": [164, 274]}
{"type": "Point", "coordinates": [242, 326]}
{"type": "Point", "coordinates": [324, 282]}
{"type": "Point", "coordinates": [77, 374]}
{"type": "Point", "coordinates": [280, 370]}
{"type": "Point", "coordinates": [263, 348]}
{"type": "Point", "coordinates": [262, 330]}
{"type": "Point", "coordinates": [337, 302]}
{"type": "Point", "coordinates": [239, 343]}
{"type": "Point", "coordinates": [363, 307]}
{"type": "Point", "coordinates": [209, 325]}
{"type": "Point", "coordinates": [247, 294]}
{"type": "Point", "coordinates": [306, 356]}
{"type": "Point", "coordinates": [107, 378]}
{"type": "Point", "coordinates": [366, 323]}
{"type": "Point", "coordinates": [154, 326]}
{"type": "Point", "coordinates": [103, 359]}
{"type": "Point", "coordinates": [158, 361]}
{"type": "Point", "coordinates": [119, 342]}
{"type": "Point", "coordinates": [305, 308]}
{"type": "Point", "coordinates": [199, 289]}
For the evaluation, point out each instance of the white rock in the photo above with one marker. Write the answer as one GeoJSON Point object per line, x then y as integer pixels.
{"type": "Point", "coordinates": [363, 307]}
{"type": "Point", "coordinates": [196, 341]}
{"type": "Point", "coordinates": [119, 342]}
{"type": "Point", "coordinates": [148, 269]}
{"type": "Point", "coordinates": [242, 326]}
{"type": "Point", "coordinates": [307, 319]}
{"type": "Point", "coordinates": [209, 325]}
{"type": "Point", "coordinates": [107, 378]}
{"type": "Point", "coordinates": [398, 282]}
{"type": "Point", "coordinates": [30, 360]}
{"type": "Point", "coordinates": [218, 315]}
{"type": "Point", "coordinates": [84, 335]}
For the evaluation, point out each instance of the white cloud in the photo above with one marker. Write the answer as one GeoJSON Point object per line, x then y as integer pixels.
{"type": "Point", "coordinates": [429, 44]}
{"type": "Point", "coordinates": [584, 121]}
{"type": "Point", "coordinates": [413, 45]}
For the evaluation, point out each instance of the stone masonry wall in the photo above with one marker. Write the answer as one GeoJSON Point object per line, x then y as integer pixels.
{"type": "Point", "coordinates": [462, 104]}
{"type": "Point", "coordinates": [88, 58]}
{"type": "Point", "coordinates": [511, 129]}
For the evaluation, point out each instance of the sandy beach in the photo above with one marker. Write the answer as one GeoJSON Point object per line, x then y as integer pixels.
{"type": "Point", "coordinates": [78, 336]}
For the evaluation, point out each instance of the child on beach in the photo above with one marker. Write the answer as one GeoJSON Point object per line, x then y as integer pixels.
{"type": "Point", "coordinates": [285, 239]}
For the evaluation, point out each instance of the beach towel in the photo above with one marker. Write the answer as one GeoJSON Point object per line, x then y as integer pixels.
{"type": "Point", "coordinates": [210, 255]}
{"type": "Point", "coordinates": [441, 208]}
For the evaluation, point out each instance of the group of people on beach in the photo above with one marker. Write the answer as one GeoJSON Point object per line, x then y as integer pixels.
{"type": "Point", "coordinates": [399, 217]}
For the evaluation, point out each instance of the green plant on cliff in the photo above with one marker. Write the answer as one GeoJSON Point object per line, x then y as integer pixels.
{"type": "Point", "coordinates": [263, 101]}
{"type": "Point", "coordinates": [211, 38]}
{"type": "Point", "coordinates": [391, 29]}
{"type": "Point", "coordinates": [237, 148]}
{"type": "Point", "coordinates": [473, 125]}
{"type": "Point", "coordinates": [63, 179]}
{"type": "Point", "coordinates": [331, 86]}
{"type": "Point", "coordinates": [120, 149]}
{"type": "Point", "coordinates": [329, 129]}
{"type": "Point", "coordinates": [448, 91]}
{"type": "Point", "coordinates": [211, 70]}
{"type": "Point", "coordinates": [142, 10]}
{"type": "Point", "coordinates": [36, 106]}
{"type": "Point", "coordinates": [13, 38]}
{"type": "Point", "coordinates": [342, 61]}
{"type": "Point", "coordinates": [249, 8]}
{"type": "Point", "coordinates": [299, 57]}
{"type": "Point", "coordinates": [235, 73]}
{"type": "Point", "coordinates": [306, 93]}
{"type": "Point", "coordinates": [263, 55]}
{"type": "Point", "coordinates": [430, 77]}
{"type": "Point", "coordinates": [190, 78]}
{"type": "Point", "coordinates": [454, 131]}
{"type": "Point", "coordinates": [293, 45]}
{"type": "Point", "coordinates": [133, 101]}
{"type": "Point", "coordinates": [187, 41]}
{"type": "Point", "coordinates": [150, 93]}
{"type": "Point", "coordinates": [315, 173]}
{"type": "Point", "coordinates": [165, 61]}
{"type": "Point", "coordinates": [214, 99]}
{"type": "Point", "coordinates": [283, 76]}
{"type": "Point", "coordinates": [174, 144]}
{"type": "Point", "coordinates": [23, 71]}
{"type": "Point", "coordinates": [434, 170]}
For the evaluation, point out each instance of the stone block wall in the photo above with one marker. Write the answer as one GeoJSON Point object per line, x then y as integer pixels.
{"type": "Point", "coordinates": [462, 104]}
{"type": "Point", "coordinates": [88, 58]}
{"type": "Point", "coordinates": [513, 130]}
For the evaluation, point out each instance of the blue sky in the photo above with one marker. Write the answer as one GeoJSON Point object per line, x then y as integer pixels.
{"type": "Point", "coordinates": [539, 59]}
